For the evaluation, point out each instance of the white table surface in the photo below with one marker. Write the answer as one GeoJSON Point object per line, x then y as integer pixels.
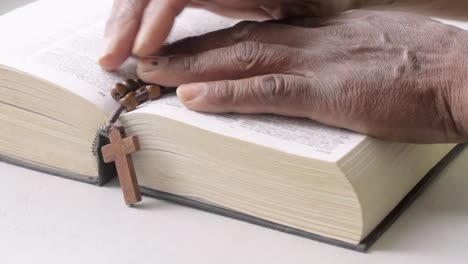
{"type": "Point", "coordinates": [45, 219]}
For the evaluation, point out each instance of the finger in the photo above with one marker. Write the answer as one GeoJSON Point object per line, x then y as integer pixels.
{"type": "Point", "coordinates": [308, 22]}
{"type": "Point", "coordinates": [240, 61]}
{"type": "Point", "coordinates": [276, 94]}
{"type": "Point", "coordinates": [121, 30]}
{"type": "Point", "coordinates": [320, 22]}
{"type": "Point", "coordinates": [251, 13]}
{"type": "Point", "coordinates": [309, 8]}
{"type": "Point", "coordinates": [282, 11]}
{"type": "Point", "coordinates": [243, 31]}
{"type": "Point", "coordinates": [326, 21]}
{"type": "Point", "coordinates": [157, 22]}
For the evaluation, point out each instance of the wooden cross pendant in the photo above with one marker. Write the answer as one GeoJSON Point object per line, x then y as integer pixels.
{"type": "Point", "coordinates": [119, 151]}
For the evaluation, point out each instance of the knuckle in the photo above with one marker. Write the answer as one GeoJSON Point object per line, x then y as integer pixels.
{"type": "Point", "coordinates": [223, 93]}
{"type": "Point", "coordinates": [187, 63]}
{"type": "Point", "coordinates": [247, 53]}
{"type": "Point", "coordinates": [273, 87]}
{"type": "Point", "coordinates": [339, 34]}
{"type": "Point", "coordinates": [123, 13]}
{"type": "Point", "coordinates": [244, 30]}
{"type": "Point", "coordinates": [192, 64]}
{"type": "Point", "coordinates": [126, 11]}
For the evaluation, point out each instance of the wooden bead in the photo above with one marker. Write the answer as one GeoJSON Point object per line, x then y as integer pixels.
{"type": "Point", "coordinates": [154, 91]}
{"type": "Point", "coordinates": [131, 85]}
{"type": "Point", "coordinates": [129, 102]}
{"type": "Point", "coordinates": [141, 95]}
{"type": "Point", "coordinates": [141, 83]}
{"type": "Point", "coordinates": [119, 91]}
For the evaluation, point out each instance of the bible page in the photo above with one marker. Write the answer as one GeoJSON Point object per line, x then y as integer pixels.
{"type": "Point", "coordinates": [297, 136]}
{"type": "Point", "coordinates": [60, 41]}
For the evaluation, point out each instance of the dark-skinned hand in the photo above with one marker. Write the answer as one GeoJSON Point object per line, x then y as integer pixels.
{"type": "Point", "coordinates": [140, 27]}
{"type": "Point", "coordinates": [392, 75]}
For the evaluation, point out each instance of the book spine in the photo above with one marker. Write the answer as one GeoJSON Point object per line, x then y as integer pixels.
{"type": "Point", "coordinates": [106, 171]}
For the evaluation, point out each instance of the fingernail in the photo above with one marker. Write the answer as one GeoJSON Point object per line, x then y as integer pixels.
{"type": "Point", "coordinates": [160, 61]}
{"type": "Point", "coordinates": [191, 92]}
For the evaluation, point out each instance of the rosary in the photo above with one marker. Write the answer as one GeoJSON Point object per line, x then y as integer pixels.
{"type": "Point", "coordinates": [130, 94]}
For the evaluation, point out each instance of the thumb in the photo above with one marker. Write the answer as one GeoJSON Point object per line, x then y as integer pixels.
{"type": "Point", "coordinates": [275, 94]}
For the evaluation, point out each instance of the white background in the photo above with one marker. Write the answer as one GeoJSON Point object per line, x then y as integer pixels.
{"type": "Point", "coordinates": [45, 219]}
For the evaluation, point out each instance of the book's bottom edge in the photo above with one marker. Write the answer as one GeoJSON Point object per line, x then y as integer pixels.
{"type": "Point", "coordinates": [361, 247]}
{"type": "Point", "coordinates": [51, 171]}
{"type": "Point", "coordinates": [246, 218]}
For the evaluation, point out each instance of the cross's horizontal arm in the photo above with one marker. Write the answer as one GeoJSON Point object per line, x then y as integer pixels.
{"type": "Point", "coordinates": [108, 153]}
{"type": "Point", "coordinates": [130, 145]}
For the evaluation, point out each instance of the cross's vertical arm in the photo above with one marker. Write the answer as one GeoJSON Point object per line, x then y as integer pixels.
{"type": "Point", "coordinates": [119, 151]}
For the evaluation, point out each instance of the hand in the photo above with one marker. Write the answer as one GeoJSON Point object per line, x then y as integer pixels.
{"type": "Point", "coordinates": [391, 75]}
{"type": "Point", "coordinates": [142, 26]}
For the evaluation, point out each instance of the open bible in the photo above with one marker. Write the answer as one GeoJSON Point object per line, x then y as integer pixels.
{"type": "Point", "coordinates": [290, 174]}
